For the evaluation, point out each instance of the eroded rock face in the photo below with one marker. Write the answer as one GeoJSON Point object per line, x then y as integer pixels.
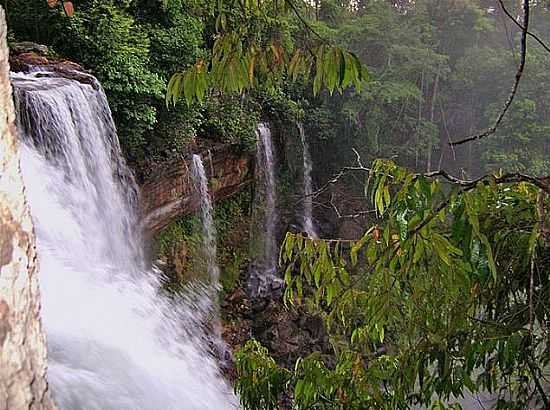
{"type": "Point", "coordinates": [26, 57]}
{"type": "Point", "coordinates": [170, 193]}
{"type": "Point", "coordinates": [22, 346]}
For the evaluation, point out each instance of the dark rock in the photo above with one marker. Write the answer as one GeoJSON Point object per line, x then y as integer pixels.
{"type": "Point", "coordinates": [351, 229]}
{"type": "Point", "coordinates": [29, 47]}
{"type": "Point", "coordinates": [289, 334]}
{"type": "Point", "coordinates": [24, 62]}
{"type": "Point", "coordinates": [26, 57]}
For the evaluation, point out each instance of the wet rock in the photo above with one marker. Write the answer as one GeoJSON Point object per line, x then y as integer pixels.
{"type": "Point", "coordinates": [26, 57]}
{"type": "Point", "coordinates": [351, 230]}
{"type": "Point", "coordinates": [289, 334]}
{"type": "Point", "coordinates": [29, 47]}
{"type": "Point", "coordinates": [169, 193]}
{"type": "Point", "coordinates": [25, 62]}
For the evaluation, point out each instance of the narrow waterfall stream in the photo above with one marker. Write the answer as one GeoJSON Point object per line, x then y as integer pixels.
{"type": "Point", "coordinates": [264, 269]}
{"type": "Point", "coordinates": [115, 340]}
{"type": "Point", "coordinates": [207, 220]}
{"type": "Point", "coordinates": [308, 225]}
{"type": "Point", "coordinates": [209, 290]}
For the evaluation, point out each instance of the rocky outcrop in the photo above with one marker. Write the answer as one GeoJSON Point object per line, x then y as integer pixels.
{"type": "Point", "coordinates": [170, 193]}
{"type": "Point", "coordinates": [27, 56]}
{"type": "Point", "coordinates": [22, 346]}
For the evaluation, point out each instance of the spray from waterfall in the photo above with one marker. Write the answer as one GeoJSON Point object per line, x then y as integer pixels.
{"type": "Point", "coordinates": [263, 273]}
{"type": "Point", "coordinates": [308, 224]}
{"type": "Point", "coordinates": [115, 340]}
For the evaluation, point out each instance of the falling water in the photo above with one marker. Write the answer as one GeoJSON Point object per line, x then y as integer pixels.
{"type": "Point", "coordinates": [208, 228]}
{"type": "Point", "coordinates": [307, 216]}
{"type": "Point", "coordinates": [209, 290]}
{"type": "Point", "coordinates": [263, 272]}
{"type": "Point", "coordinates": [115, 341]}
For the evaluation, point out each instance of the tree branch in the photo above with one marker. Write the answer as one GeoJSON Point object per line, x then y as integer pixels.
{"type": "Point", "coordinates": [539, 387]}
{"type": "Point", "coordinates": [519, 74]}
{"type": "Point", "coordinates": [529, 33]}
{"type": "Point", "coordinates": [467, 185]}
{"type": "Point", "coordinates": [541, 182]}
{"type": "Point", "coordinates": [303, 21]}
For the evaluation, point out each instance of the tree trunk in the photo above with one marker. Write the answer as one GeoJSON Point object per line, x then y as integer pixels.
{"type": "Point", "coordinates": [432, 118]}
{"type": "Point", "coordinates": [23, 382]}
{"type": "Point", "coordinates": [417, 145]}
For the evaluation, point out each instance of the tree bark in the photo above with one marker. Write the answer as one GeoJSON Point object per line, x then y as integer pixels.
{"type": "Point", "coordinates": [23, 382]}
{"type": "Point", "coordinates": [432, 118]}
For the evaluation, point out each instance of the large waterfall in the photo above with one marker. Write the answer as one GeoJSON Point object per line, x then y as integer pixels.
{"type": "Point", "coordinates": [308, 224]}
{"type": "Point", "coordinates": [264, 268]}
{"type": "Point", "coordinates": [115, 341]}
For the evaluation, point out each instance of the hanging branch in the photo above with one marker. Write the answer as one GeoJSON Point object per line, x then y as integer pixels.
{"type": "Point", "coordinates": [303, 21]}
{"type": "Point", "coordinates": [542, 183]}
{"type": "Point", "coordinates": [519, 74]}
{"type": "Point", "coordinates": [529, 33]}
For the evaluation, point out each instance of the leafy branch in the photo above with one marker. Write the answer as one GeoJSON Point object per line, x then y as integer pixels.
{"type": "Point", "coordinates": [239, 62]}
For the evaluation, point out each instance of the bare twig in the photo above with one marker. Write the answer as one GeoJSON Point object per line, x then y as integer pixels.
{"type": "Point", "coordinates": [519, 74]}
{"type": "Point", "coordinates": [343, 172]}
{"type": "Point", "coordinates": [303, 21]}
{"type": "Point", "coordinates": [529, 33]}
{"type": "Point", "coordinates": [539, 387]}
{"type": "Point", "coordinates": [541, 182]}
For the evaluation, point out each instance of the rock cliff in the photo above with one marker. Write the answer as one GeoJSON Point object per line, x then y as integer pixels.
{"type": "Point", "coordinates": [170, 193]}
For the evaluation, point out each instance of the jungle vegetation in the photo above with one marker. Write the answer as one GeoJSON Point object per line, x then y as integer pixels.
{"type": "Point", "coordinates": [447, 292]}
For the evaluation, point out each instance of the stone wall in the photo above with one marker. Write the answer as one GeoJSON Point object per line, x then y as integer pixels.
{"type": "Point", "coordinates": [170, 193]}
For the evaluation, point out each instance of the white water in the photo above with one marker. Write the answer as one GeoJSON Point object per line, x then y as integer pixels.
{"type": "Point", "coordinates": [263, 275]}
{"type": "Point", "coordinates": [308, 225]}
{"type": "Point", "coordinates": [115, 341]}
{"type": "Point", "coordinates": [209, 290]}
{"type": "Point", "coordinates": [208, 229]}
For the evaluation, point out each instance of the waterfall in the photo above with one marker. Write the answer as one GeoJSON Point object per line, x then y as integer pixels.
{"type": "Point", "coordinates": [308, 225]}
{"type": "Point", "coordinates": [115, 340]}
{"type": "Point", "coordinates": [208, 228]}
{"type": "Point", "coordinates": [263, 273]}
{"type": "Point", "coordinates": [209, 290]}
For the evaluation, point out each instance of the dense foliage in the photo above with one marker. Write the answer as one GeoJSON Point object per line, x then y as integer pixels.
{"type": "Point", "coordinates": [133, 48]}
{"type": "Point", "coordinates": [447, 292]}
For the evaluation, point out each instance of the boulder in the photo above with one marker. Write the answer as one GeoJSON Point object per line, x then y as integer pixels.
{"type": "Point", "coordinates": [29, 47]}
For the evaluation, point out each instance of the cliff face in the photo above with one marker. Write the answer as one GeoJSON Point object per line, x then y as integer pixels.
{"type": "Point", "coordinates": [171, 193]}
{"type": "Point", "coordinates": [22, 346]}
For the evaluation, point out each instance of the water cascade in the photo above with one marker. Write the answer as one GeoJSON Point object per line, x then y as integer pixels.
{"type": "Point", "coordinates": [115, 340]}
{"type": "Point", "coordinates": [308, 224]}
{"type": "Point", "coordinates": [263, 274]}
{"type": "Point", "coordinates": [208, 228]}
{"type": "Point", "coordinates": [208, 291]}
